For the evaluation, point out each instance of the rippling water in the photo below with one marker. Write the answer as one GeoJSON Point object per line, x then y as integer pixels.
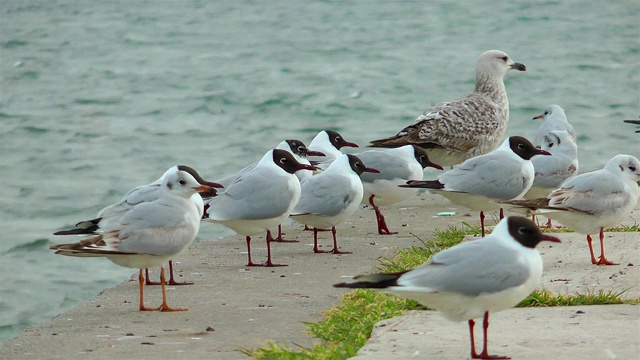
{"type": "Point", "coordinates": [99, 97]}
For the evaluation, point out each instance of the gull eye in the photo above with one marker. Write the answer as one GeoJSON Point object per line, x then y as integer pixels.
{"type": "Point", "coordinates": [632, 168]}
{"type": "Point", "coordinates": [550, 145]}
{"type": "Point", "coordinates": [547, 112]}
{"type": "Point", "coordinates": [182, 182]}
{"type": "Point", "coordinates": [522, 231]}
{"type": "Point", "coordinates": [504, 58]}
{"type": "Point", "coordinates": [283, 161]}
{"type": "Point", "coordinates": [520, 146]}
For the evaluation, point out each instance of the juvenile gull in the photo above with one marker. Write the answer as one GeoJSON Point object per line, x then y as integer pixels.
{"type": "Point", "coordinates": [591, 201]}
{"type": "Point", "coordinates": [149, 232]}
{"type": "Point", "coordinates": [473, 125]}
{"type": "Point", "coordinates": [260, 199]}
{"type": "Point", "coordinates": [331, 197]}
{"type": "Point", "coordinates": [396, 166]}
{"type": "Point", "coordinates": [472, 279]}
{"type": "Point", "coordinates": [554, 119]}
{"type": "Point", "coordinates": [505, 173]}
{"type": "Point", "coordinates": [138, 195]}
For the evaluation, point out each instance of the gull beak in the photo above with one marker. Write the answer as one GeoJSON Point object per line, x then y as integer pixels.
{"type": "Point", "coordinates": [434, 165]}
{"type": "Point", "coordinates": [350, 144]}
{"type": "Point", "coordinates": [213, 185]}
{"type": "Point", "coordinates": [549, 238]}
{"type": "Point", "coordinates": [371, 170]}
{"type": "Point", "coordinates": [538, 117]}
{"type": "Point", "coordinates": [307, 167]}
{"type": "Point", "coordinates": [542, 152]}
{"type": "Point", "coordinates": [315, 153]}
{"type": "Point", "coordinates": [519, 67]}
{"type": "Point", "coordinates": [205, 189]}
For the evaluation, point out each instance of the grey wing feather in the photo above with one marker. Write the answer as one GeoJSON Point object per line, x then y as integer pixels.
{"type": "Point", "coordinates": [390, 166]}
{"type": "Point", "coordinates": [325, 198]}
{"type": "Point", "coordinates": [251, 197]}
{"type": "Point", "coordinates": [460, 270]}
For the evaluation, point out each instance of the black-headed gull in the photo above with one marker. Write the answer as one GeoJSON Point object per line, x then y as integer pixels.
{"type": "Point", "coordinates": [149, 232]}
{"type": "Point", "coordinates": [505, 173]}
{"type": "Point", "coordinates": [331, 197]}
{"type": "Point", "coordinates": [300, 152]}
{"type": "Point", "coordinates": [474, 278]}
{"type": "Point", "coordinates": [589, 202]}
{"type": "Point", "coordinates": [260, 199]}
{"type": "Point", "coordinates": [135, 196]}
{"type": "Point", "coordinates": [329, 143]}
{"type": "Point", "coordinates": [554, 120]}
{"type": "Point", "coordinates": [457, 130]}
{"type": "Point", "coordinates": [396, 167]}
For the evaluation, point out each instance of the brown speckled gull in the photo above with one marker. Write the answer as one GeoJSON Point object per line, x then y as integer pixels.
{"type": "Point", "coordinates": [473, 125]}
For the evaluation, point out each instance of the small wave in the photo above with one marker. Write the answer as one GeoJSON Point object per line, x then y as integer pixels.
{"type": "Point", "coordinates": [107, 101]}
{"type": "Point", "coordinates": [34, 245]}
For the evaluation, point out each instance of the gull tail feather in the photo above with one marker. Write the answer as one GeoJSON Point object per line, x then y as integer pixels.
{"type": "Point", "coordinates": [375, 281]}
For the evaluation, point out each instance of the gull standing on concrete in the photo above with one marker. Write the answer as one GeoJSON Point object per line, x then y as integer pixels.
{"type": "Point", "coordinates": [144, 193]}
{"type": "Point", "coordinates": [331, 197]}
{"type": "Point", "coordinates": [471, 279]}
{"type": "Point", "coordinates": [329, 143]}
{"type": "Point", "coordinates": [554, 119]}
{"type": "Point", "coordinates": [259, 199]}
{"type": "Point", "coordinates": [591, 201]}
{"type": "Point", "coordinates": [149, 232]}
{"type": "Point", "coordinates": [505, 173]}
{"type": "Point", "coordinates": [396, 167]}
{"type": "Point", "coordinates": [457, 130]}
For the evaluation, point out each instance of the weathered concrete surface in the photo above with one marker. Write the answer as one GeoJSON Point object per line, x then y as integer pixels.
{"type": "Point", "coordinates": [232, 307]}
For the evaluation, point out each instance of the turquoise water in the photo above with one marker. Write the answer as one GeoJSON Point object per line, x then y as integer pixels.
{"type": "Point", "coordinates": [99, 97]}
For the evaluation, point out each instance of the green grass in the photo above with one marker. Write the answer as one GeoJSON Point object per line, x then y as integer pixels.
{"type": "Point", "coordinates": [347, 327]}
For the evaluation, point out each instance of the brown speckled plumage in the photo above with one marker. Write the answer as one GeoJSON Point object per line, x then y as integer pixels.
{"type": "Point", "coordinates": [466, 127]}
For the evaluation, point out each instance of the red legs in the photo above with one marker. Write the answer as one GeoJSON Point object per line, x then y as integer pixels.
{"type": "Point", "coordinates": [603, 260]}
{"type": "Point", "coordinates": [485, 327]}
{"type": "Point", "coordinates": [307, 228]}
{"type": "Point", "coordinates": [164, 306]}
{"type": "Point", "coordinates": [501, 214]}
{"type": "Point", "coordinates": [248, 239]}
{"type": "Point", "coordinates": [335, 243]}
{"type": "Point", "coordinates": [280, 239]}
{"type": "Point", "coordinates": [315, 242]}
{"type": "Point", "coordinates": [172, 281]}
{"type": "Point", "coordinates": [482, 222]}
{"type": "Point", "coordinates": [382, 224]}
{"type": "Point", "coordinates": [268, 238]}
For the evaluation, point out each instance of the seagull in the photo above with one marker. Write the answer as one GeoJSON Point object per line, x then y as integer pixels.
{"type": "Point", "coordinates": [457, 130]}
{"type": "Point", "coordinates": [471, 279]}
{"type": "Point", "coordinates": [396, 167]}
{"type": "Point", "coordinates": [505, 173]}
{"type": "Point", "coordinates": [138, 195]}
{"type": "Point", "coordinates": [329, 143]}
{"type": "Point", "coordinates": [259, 199]}
{"type": "Point", "coordinates": [331, 197]}
{"type": "Point", "coordinates": [591, 201]}
{"type": "Point", "coordinates": [300, 153]}
{"type": "Point", "coordinates": [148, 232]}
{"type": "Point", "coordinates": [554, 119]}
